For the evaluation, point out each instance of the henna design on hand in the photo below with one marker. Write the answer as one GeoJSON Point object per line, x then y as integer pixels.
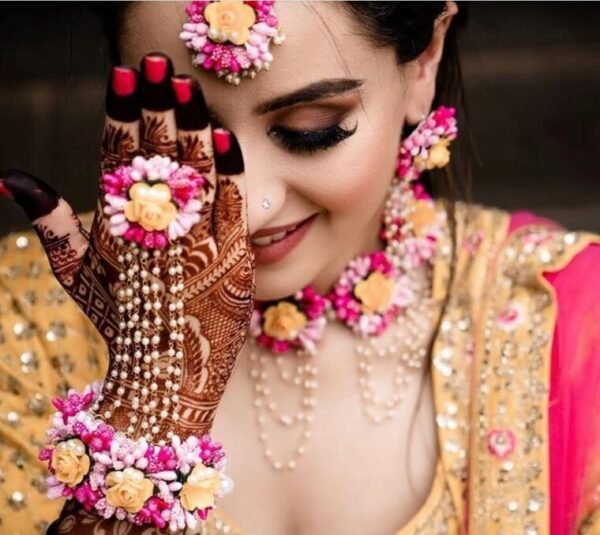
{"type": "Point", "coordinates": [155, 137]}
{"type": "Point", "coordinates": [217, 260]}
{"type": "Point", "coordinates": [194, 153]}
{"type": "Point", "coordinates": [118, 146]}
{"type": "Point", "coordinates": [75, 520]}
{"type": "Point", "coordinates": [63, 258]}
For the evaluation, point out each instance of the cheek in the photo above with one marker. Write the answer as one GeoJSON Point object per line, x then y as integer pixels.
{"type": "Point", "coordinates": [353, 179]}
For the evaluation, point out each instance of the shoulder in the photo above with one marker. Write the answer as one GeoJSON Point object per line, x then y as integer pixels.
{"type": "Point", "coordinates": [527, 238]}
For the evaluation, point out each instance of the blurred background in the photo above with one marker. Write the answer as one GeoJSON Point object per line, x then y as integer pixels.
{"type": "Point", "coordinates": [532, 80]}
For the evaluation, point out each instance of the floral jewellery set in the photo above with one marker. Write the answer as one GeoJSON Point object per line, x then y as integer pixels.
{"type": "Point", "coordinates": [174, 481]}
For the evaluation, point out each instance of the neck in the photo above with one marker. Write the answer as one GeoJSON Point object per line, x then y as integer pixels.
{"type": "Point", "coordinates": [330, 274]}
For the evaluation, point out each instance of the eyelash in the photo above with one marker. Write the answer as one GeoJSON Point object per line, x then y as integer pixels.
{"type": "Point", "coordinates": [309, 141]}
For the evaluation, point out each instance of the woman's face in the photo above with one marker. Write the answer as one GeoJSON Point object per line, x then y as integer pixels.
{"type": "Point", "coordinates": [327, 80]}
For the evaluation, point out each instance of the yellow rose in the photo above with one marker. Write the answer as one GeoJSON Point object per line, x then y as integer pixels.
{"type": "Point", "coordinates": [70, 462]}
{"type": "Point", "coordinates": [375, 293]}
{"type": "Point", "coordinates": [150, 206]}
{"type": "Point", "coordinates": [198, 492]}
{"type": "Point", "coordinates": [422, 216]}
{"type": "Point", "coordinates": [283, 321]}
{"type": "Point", "coordinates": [128, 489]}
{"type": "Point", "coordinates": [229, 21]}
{"type": "Point", "coordinates": [439, 155]}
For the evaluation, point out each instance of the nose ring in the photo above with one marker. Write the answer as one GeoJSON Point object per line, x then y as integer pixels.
{"type": "Point", "coordinates": [266, 203]}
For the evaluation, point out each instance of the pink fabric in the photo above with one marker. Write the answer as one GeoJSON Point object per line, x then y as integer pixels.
{"type": "Point", "coordinates": [574, 408]}
{"type": "Point", "coordinates": [574, 402]}
{"type": "Point", "coordinates": [520, 219]}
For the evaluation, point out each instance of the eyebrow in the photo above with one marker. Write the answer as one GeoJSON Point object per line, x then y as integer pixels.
{"type": "Point", "coordinates": [309, 93]}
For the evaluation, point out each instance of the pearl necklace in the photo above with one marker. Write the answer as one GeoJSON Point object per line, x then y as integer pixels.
{"type": "Point", "coordinates": [408, 309]}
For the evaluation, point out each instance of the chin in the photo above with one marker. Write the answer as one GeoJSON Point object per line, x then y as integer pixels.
{"type": "Point", "coordinates": [273, 284]}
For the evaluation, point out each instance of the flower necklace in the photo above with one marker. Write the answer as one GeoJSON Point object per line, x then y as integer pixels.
{"type": "Point", "coordinates": [374, 292]}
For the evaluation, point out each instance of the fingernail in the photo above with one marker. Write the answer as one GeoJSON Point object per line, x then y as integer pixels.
{"type": "Point", "coordinates": [182, 85]}
{"type": "Point", "coordinates": [221, 140]}
{"type": "Point", "coordinates": [155, 68]}
{"type": "Point", "coordinates": [33, 195]}
{"type": "Point", "coordinates": [4, 190]}
{"type": "Point", "coordinates": [156, 89]}
{"type": "Point", "coordinates": [123, 81]}
{"type": "Point", "coordinates": [191, 112]}
{"type": "Point", "coordinates": [228, 155]}
{"type": "Point", "coordinates": [122, 95]}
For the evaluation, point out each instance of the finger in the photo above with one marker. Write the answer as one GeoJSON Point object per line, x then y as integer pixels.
{"type": "Point", "coordinates": [59, 229]}
{"type": "Point", "coordinates": [121, 139]}
{"type": "Point", "coordinates": [158, 133]}
{"type": "Point", "coordinates": [194, 134]}
{"type": "Point", "coordinates": [229, 214]}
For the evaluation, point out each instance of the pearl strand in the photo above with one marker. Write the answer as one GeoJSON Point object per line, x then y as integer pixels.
{"type": "Point", "coordinates": [140, 322]}
{"type": "Point", "coordinates": [150, 342]}
{"type": "Point", "coordinates": [304, 377]}
{"type": "Point", "coordinates": [133, 320]}
{"type": "Point", "coordinates": [176, 336]}
{"type": "Point", "coordinates": [125, 307]}
{"type": "Point", "coordinates": [413, 337]}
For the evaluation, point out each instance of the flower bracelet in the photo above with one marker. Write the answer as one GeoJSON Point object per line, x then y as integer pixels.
{"type": "Point", "coordinates": [172, 485]}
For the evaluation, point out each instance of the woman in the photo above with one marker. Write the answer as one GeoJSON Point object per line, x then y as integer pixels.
{"type": "Point", "coordinates": [483, 323]}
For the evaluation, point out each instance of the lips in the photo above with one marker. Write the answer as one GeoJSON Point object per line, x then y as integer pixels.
{"type": "Point", "coordinates": [273, 244]}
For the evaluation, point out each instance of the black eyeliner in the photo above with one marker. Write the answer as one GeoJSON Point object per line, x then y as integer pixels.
{"type": "Point", "coordinates": [309, 141]}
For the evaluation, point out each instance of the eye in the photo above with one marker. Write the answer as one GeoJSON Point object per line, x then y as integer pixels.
{"type": "Point", "coordinates": [308, 141]}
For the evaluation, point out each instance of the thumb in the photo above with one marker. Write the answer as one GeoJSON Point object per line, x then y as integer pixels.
{"type": "Point", "coordinates": [59, 229]}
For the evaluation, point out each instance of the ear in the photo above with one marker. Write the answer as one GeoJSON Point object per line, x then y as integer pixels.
{"type": "Point", "coordinates": [422, 71]}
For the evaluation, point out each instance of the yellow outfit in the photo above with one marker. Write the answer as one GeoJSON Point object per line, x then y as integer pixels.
{"type": "Point", "coordinates": [47, 346]}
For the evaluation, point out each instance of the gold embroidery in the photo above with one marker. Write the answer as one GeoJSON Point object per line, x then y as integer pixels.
{"type": "Point", "coordinates": [453, 350]}
{"type": "Point", "coordinates": [509, 494]}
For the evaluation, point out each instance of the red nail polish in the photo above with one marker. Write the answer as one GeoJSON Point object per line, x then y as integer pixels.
{"type": "Point", "coordinates": [222, 140]}
{"type": "Point", "coordinates": [183, 89]}
{"type": "Point", "coordinates": [155, 68]}
{"type": "Point", "coordinates": [4, 191]}
{"type": "Point", "coordinates": [123, 81]}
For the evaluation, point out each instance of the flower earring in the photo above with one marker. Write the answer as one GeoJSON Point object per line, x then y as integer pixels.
{"type": "Point", "coordinates": [426, 147]}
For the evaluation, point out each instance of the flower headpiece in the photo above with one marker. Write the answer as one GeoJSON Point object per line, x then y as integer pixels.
{"type": "Point", "coordinates": [231, 37]}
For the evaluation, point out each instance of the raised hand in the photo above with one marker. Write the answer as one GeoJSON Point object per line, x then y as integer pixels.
{"type": "Point", "coordinates": [153, 113]}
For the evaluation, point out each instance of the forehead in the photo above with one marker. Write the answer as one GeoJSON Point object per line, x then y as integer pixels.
{"type": "Point", "coordinates": [321, 42]}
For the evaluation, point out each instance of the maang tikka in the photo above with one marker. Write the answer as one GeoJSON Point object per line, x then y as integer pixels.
{"type": "Point", "coordinates": [374, 292]}
{"type": "Point", "coordinates": [231, 37]}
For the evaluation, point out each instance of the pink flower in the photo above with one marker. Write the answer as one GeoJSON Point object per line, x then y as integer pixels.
{"type": "Point", "coordinates": [511, 316]}
{"type": "Point", "coordinates": [152, 200]}
{"type": "Point", "coordinates": [232, 55]}
{"type": "Point", "coordinates": [501, 442]}
{"type": "Point", "coordinates": [370, 293]}
{"type": "Point", "coordinates": [296, 323]}
{"type": "Point", "coordinates": [88, 497]}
